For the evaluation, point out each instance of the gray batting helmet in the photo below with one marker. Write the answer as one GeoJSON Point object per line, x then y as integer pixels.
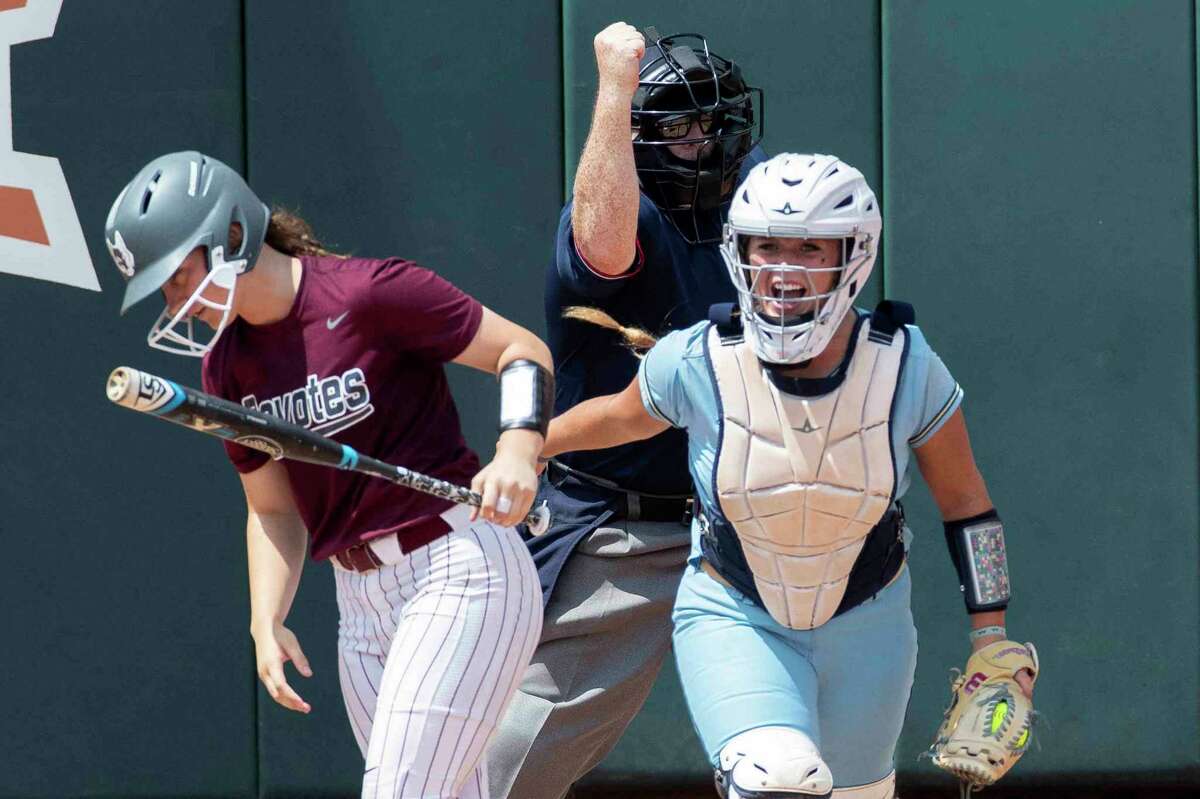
{"type": "Point", "coordinates": [176, 203]}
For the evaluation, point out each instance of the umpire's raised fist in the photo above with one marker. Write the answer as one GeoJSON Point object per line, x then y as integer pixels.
{"type": "Point", "coordinates": [619, 51]}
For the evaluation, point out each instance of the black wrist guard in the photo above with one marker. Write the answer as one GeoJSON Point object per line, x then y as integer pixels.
{"type": "Point", "coordinates": [526, 396]}
{"type": "Point", "coordinates": [977, 549]}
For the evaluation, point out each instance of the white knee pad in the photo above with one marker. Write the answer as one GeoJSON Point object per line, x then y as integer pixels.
{"type": "Point", "coordinates": [772, 763]}
{"type": "Point", "coordinates": [882, 789]}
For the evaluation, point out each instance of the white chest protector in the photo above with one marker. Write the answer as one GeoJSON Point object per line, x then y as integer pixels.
{"type": "Point", "coordinates": [804, 480]}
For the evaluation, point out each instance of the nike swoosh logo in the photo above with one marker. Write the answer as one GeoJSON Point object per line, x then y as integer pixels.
{"type": "Point", "coordinates": [333, 321]}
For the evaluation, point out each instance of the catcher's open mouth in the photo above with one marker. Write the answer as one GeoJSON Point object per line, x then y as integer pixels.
{"type": "Point", "coordinates": [786, 309]}
{"type": "Point", "coordinates": [787, 300]}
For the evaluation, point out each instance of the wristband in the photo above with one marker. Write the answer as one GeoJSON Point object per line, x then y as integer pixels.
{"type": "Point", "coordinates": [984, 632]}
{"type": "Point", "coordinates": [526, 396]}
{"type": "Point", "coordinates": [977, 548]}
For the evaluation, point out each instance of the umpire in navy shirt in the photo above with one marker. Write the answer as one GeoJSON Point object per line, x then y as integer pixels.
{"type": "Point", "coordinates": [672, 129]}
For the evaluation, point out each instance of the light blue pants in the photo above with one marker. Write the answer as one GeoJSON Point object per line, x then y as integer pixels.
{"type": "Point", "coordinates": [845, 684]}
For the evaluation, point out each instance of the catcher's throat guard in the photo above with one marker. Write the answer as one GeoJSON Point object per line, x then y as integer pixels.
{"type": "Point", "coordinates": [977, 549]}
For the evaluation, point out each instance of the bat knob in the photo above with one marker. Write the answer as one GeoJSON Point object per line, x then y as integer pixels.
{"type": "Point", "coordinates": [539, 520]}
{"type": "Point", "coordinates": [122, 385]}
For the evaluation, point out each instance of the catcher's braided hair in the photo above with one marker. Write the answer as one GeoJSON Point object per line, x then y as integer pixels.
{"type": "Point", "coordinates": [287, 232]}
{"type": "Point", "coordinates": [638, 340]}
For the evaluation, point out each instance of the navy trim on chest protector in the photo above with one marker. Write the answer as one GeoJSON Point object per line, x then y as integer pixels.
{"type": "Point", "coordinates": [883, 553]}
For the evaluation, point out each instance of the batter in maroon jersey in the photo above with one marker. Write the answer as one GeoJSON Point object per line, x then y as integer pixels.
{"type": "Point", "coordinates": [353, 349]}
{"type": "Point", "coordinates": [359, 357]}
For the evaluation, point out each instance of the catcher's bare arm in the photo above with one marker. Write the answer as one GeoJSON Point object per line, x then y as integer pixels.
{"type": "Point", "coordinates": [987, 726]}
{"type": "Point", "coordinates": [948, 466]}
{"type": "Point", "coordinates": [141, 391]}
{"type": "Point", "coordinates": [603, 422]}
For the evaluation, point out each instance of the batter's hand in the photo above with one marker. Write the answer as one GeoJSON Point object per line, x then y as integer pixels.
{"type": "Point", "coordinates": [509, 483]}
{"type": "Point", "coordinates": [619, 51]}
{"type": "Point", "coordinates": [272, 648]}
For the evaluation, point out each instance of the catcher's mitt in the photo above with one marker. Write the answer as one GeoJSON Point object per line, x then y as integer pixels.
{"type": "Point", "coordinates": [987, 726]}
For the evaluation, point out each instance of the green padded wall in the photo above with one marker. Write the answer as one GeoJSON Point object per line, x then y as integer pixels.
{"type": "Point", "coordinates": [429, 133]}
{"type": "Point", "coordinates": [127, 670]}
{"type": "Point", "coordinates": [1041, 214]}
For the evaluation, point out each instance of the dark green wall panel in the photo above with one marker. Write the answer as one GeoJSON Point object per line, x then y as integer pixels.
{"type": "Point", "coordinates": [127, 670]}
{"type": "Point", "coordinates": [1041, 213]}
{"type": "Point", "coordinates": [430, 132]}
{"type": "Point", "coordinates": [818, 66]}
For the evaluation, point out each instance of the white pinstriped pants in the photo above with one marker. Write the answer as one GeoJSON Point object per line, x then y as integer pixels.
{"type": "Point", "coordinates": [431, 650]}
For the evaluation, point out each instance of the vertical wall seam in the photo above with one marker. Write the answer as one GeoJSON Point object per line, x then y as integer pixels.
{"type": "Point", "coordinates": [245, 99]}
{"type": "Point", "coordinates": [562, 98]}
{"type": "Point", "coordinates": [255, 730]}
{"type": "Point", "coordinates": [888, 233]}
{"type": "Point", "coordinates": [1196, 223]}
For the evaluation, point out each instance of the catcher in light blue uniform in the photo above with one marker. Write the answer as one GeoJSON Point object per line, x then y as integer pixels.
{"type": "Point", "coordinates": [793, 632]}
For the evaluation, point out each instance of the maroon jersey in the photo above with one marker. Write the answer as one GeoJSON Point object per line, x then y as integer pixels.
{"type": "Point", "coordinates": [359, 359]}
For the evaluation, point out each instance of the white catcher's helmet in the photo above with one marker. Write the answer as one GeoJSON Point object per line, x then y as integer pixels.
{"type": "Point", "coordinates": [811, 197]}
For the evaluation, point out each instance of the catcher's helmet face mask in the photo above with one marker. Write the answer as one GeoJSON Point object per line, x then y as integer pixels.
{"type": "Point", "coordinates": [693, 121]}
{"type": "Point", "coordinates": [794, 297]}
{"type": "Point", "coordinates": [177, 204]}
{"type": "Point", "coordinates": [791, 279]}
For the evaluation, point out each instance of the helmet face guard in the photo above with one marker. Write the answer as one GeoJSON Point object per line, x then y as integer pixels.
{"type": "Point", "coordinates": [788, 317]}
{"type": "Point", "coordinates": [177, 332]}
{"type": "Point", "coordinates": [682, 88]}
{"type": "Point", "coordinates": [791, 312]}
{"type": "Point", "coordinates": [176, 203]}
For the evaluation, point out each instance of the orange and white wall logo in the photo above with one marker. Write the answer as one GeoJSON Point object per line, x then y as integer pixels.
{"type": "Point", "coordinates": [40, 235]}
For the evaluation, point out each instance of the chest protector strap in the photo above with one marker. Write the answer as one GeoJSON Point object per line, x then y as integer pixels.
{"type": "Point", "coordinates": [804, 485]}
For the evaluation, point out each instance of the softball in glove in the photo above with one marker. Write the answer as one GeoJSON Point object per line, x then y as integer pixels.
{"type": "Point", "coordinates": [987, 727]}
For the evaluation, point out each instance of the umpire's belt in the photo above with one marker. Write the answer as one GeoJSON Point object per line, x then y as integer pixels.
{"type": "Point", "coordinates": [632, 506]}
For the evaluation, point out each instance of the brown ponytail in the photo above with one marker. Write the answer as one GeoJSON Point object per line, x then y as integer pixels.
{"type": "Point", "coordinates": [291, 235]}
{"type": "Point", "coordinates": [636, 339]}
{"type": "Point", "coordinates": [288, 233]}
